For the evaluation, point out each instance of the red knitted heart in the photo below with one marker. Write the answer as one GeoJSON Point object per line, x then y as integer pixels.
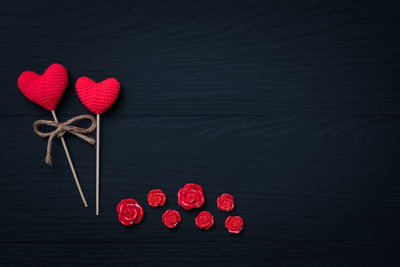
{"type": "Point", "coordinates": [97, 97]}
{"type": "Point", "coordinates": [45, 90]}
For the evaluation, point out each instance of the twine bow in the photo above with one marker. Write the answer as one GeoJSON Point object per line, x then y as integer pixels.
{"type": "Point", "coordinates": [62, 128]}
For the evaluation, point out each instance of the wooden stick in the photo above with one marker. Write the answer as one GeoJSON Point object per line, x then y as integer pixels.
{"type": "Point", "coordinates": [98, 165]}
{"type": "Point", "coordinates": [71, 164]}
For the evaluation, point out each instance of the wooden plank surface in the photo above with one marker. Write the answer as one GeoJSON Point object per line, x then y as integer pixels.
{"type": "Point", "coordinates": [293, 107]}
{"type": "Point", "coordinates": [200, 57]}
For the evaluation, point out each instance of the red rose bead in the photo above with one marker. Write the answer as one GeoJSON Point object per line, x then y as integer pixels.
{"type": "Point", "coordinates": [204, 220]}
{"type": "Point", "coordinates": [171, 218]}
{"type": "Point", "coordinates": [225, 202]}
{"type": "Point", "coordinates": [234, 224]}
{"type": "Point", "coordinates": [129, 211]}
{"type": "Point", "coordinates": [156, 198]}
{"type": "Point", "coordinates": [191, 196]}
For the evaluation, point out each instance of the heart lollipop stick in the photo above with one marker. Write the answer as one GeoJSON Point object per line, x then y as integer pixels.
{"type": "Point", "coordinates": [71, 165]}
{"type": "Point", "coordinates": [97, 97]}
{"type": "Point", "coordinates": [46, 90]}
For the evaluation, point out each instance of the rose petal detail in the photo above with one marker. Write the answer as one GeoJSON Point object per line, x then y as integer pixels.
{"type": "Point", "coordinates": [191, 196]}
{"type": "Point", "coordinates": [171, 218]}
{"type": "Point", "coordinates": [156, 198]}
{"type": "Point", "coordinates": [234, 224]}
{"type": "Point", "coordinates": [225, 202]}
{"type": "Point", "coordinates": [204, 220]}
{"type": "Point", "coordinates": [129, 212]}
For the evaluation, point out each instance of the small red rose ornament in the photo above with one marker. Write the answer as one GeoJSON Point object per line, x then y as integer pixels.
{"type": "Point", "coordinates": [191, 196]}
{"type": "Point", "coordinates": [225, 202]}
{"type": "Point", "coordinates": [47, 89]}
{"type": "Point", "coordinates": [171, 218]}
{"type": "Point", "coordinates": [129, 212]}
{"type": "Point", "coordinates": [234, 224]}
{"type": "Point", "coordinates": [156, 198]}
{"type": "Point", "coordinates": [204, 220]}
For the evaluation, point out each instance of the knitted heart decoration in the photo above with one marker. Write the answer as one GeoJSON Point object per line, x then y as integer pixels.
{"type": "Point", "coordinates": [97, 97]}
{"type": "Point", "coordinates": [45, 90]}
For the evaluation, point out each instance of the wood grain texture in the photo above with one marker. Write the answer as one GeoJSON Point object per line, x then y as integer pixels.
{"type": "Point", "coordinates": [202, 57]}
{"type": "Point", "coordinates": [291, 106]}
{"type": "Point", "coordinates": [217, 254]}
{"type": "Point", "coordinates": [298, 180]}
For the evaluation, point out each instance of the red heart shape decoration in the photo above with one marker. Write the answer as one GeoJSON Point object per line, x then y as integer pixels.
{"type": "Point", "coordinates": [45, 90]}
{"type": "Point", "coordinates": [97, 97]}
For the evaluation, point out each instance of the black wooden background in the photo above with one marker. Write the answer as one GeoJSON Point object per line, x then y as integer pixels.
{"type": "Point", "coordinates": [291, 106]}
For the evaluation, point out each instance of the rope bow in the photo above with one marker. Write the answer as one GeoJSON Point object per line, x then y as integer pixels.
{"type": "Point", "coordinates": [62, 128]}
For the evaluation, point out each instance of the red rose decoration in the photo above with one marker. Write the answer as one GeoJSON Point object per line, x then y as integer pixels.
{"type": "Point", "coordinates": [234, 224]}
{"type": "Point", "coordinates": [204, 220]}
{"type": "Point", "coordinates": [171, 218]}
{"type": "Point", "coordinates": [191, 196]}
{"type": "Point", "coordinates": [225, 202]}
{"type": "Point", "coordinates": [129, 211]}
{"type": "Point", "coordinates": [156, 198]}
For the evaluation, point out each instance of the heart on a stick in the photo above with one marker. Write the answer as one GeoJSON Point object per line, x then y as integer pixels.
{"type": "Point", "coordinates": [97, 97]}
{"type": "Point", "coordinates": [45, 90]}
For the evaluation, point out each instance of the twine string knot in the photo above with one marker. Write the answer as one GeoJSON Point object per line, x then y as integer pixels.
{"type": "Point", "coordinates": [62, 128]}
